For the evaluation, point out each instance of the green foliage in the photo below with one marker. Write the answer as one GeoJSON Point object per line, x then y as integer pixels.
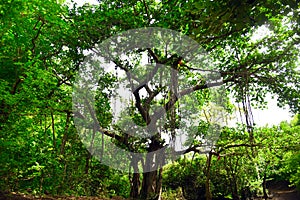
{"type": "Point", "coordinates": [170, 194]}
{"type": "Point", "coordinates": [296, 120]}
{"type": "Point", "coordinates": [186, 175]}
{"type": "Point", "coordinates": [239, 167]}
{"type": "Point", "coordinates": [290, 167]}
{"type": "Point", "coordinates": [293, 169]}
{"type": "Point", "coordinates": [40, 150]}
{"type": "Point", "coordinates": [43, 44]}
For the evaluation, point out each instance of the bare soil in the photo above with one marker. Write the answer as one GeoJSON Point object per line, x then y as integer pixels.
{"type": "Point", "coordinates": [15, 196]}
{"type": "Point", "coordinates": [281, 191]}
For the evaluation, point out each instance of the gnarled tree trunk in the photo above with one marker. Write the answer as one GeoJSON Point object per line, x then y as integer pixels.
{"type": "Point", "coordinates": [151, 186]}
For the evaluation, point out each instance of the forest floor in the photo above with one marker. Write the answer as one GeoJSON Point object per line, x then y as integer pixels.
{"type": "Point", "coordinates": [282, 191]}
{"type": "Point", "coordinates": [15, 196]}
{"type": "Point", "coordinates": [277, 191]}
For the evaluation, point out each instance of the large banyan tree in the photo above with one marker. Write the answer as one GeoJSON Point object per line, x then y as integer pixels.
{"type": "Point", "coordinates": [163, 89]}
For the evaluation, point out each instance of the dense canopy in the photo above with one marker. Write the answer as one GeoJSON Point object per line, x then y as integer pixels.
{"type": "Point", "coordinates": [253, 47]}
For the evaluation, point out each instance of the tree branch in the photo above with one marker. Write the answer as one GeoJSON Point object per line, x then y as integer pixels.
{"type": "Point", "coordinates": [37, 34]}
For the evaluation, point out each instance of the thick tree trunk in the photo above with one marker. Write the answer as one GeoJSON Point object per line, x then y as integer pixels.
{"type": "Point", "coordinates": [159, 183]}
{"type": "Point", "coordinates": [148, 185]}
{"type": "Point", "coordinates": [135, 186]}
{"type": "Point", "coordinates": [151, 186]}
{"type": "Point", "coordinates": [135, 180]}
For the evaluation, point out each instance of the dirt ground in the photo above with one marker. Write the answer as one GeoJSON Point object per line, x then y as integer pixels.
{"type": "Point", "coordinates": [281, 191]}
{"type": "Point", "coordinates": [14, 196]}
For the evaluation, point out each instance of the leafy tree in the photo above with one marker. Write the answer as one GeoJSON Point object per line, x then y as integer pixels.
{"type": "Point", "coordinates": [42, 48]}
{"type": "Point", "coordinates": [239, 169]}
{"type": "Point", "coordinates": [225, 30]}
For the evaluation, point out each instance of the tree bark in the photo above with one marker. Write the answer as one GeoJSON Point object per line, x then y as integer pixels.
{"type": "Point", "coordinates": [151, 187]}
{"type": "Point", "coordinates": [65, 137]}
{"type": "Point", "coordinates": [135, 186]}
{"type": "Point", "coordinates": [135, 181]}
{"type": "Point", "coordinates": [148, 190]}
{"type": "Point", "coordinates": [235, 194]}
{"type": "Point", "coordinates": [208, 194]}
{"type": "Point", "coordinates": [264, 184]}
{"type": "Point", "coordinates": [53, 131]}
